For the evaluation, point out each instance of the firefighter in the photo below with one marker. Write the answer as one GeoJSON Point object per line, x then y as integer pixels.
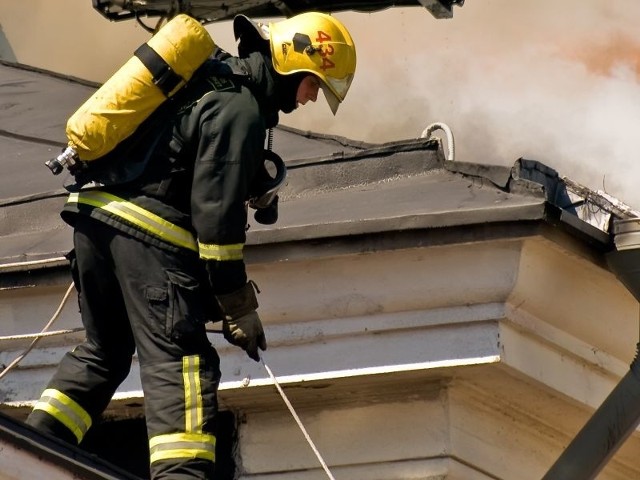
{"type": "Point", "coordinates": [157, 257]}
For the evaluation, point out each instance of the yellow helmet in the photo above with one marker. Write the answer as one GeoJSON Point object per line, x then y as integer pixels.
{"type": "Point", "coordinates": [319, 44]}
{"type": "Point", "coordinates": [310, 42]}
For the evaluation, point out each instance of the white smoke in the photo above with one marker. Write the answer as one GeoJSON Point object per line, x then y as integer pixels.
{"type": "Point", "coordinates": [552, 81]}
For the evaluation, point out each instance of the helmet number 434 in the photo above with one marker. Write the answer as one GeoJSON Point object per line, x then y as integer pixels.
{"type": "Point", "coordinates": [325, 51]}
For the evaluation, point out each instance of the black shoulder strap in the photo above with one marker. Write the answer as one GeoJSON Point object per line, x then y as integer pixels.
{"type": "Point", "coordinates": [219, 67]}
{"type": "Point", "coordinates": [163, 75]}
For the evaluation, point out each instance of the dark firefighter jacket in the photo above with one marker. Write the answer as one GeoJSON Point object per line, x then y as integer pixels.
{"type": "Point", "coordinates": [205, 148]}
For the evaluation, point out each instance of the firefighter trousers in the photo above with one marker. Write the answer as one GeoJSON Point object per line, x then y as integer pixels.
{"type": "Point", "coordinates": [135, 297]}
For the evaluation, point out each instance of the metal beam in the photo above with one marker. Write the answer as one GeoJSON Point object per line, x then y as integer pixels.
{"type": "Point", "coordinates": [603, 434]}
{"type": "Point", "coordinates": [441, 8]}
{"type": "Point", "coordinates": [209, 11]}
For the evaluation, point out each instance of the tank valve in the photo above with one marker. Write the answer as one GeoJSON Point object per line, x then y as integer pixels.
{"type": "Point", "coordinates": [68, 158]}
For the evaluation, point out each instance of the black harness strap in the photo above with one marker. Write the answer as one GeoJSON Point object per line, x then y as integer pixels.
{"type": "Point", "coordinates": [163, 75]}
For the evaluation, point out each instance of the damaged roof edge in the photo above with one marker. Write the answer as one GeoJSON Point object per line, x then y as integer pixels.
{"type": "Point", "coordinates": [588, 211]}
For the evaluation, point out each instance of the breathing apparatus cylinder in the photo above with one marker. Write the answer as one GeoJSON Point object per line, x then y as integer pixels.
{"type": "Point", "coordinates": [158, 69]}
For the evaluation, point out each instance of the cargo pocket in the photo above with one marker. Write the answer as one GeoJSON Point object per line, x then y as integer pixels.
{"type": "Point", "coordinates": [158, 302]}
{"type": "Point", "coordinates": [186, 316]}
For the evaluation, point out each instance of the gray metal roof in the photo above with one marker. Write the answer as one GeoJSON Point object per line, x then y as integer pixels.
{"type": "Point", "coordinates": [34, 106]}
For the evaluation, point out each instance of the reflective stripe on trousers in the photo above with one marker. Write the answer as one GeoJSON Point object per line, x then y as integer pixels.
{"type": "Point", "coordinates": [193, 443]}
{"type": "Point", "coordinates": [66, 411]}
{"type": "Point", "coordinates": [183, 445]}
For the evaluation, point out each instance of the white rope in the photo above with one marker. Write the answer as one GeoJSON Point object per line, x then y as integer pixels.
{"type": "Point", "coordinates": [428, 134]}
{"type": "Point", "coordinates": [297, 419]}
{"type": "Point", "coordinates": [41, 334]}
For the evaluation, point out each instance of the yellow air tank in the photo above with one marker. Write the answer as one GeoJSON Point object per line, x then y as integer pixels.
{"type": "Point", "coordinates": [158, 69]}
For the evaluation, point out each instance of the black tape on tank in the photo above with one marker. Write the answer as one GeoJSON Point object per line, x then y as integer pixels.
{"type": "Point", "coordinates": [163, 75]}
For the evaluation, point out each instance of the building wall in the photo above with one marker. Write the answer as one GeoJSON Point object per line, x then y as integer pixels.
{"type": "Point", "coordinates": [456, 432]}
{"type": "Point", "coordinates": [435, 362]}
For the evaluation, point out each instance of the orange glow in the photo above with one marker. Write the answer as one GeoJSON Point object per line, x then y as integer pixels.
{"type": "Point", "coordinates": [605, 57]}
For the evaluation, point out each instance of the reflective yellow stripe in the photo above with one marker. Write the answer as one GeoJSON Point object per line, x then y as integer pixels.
{"type": "Point", "coordinates": [192, 443]}
{"type": "Point", "coordinates": [183, 445]}
{"type": "Point", "coordinates": [66, 411]}
{"type": "Point", "coordinates": [192, 393]}
{"type": "Point", "coordinates": [210, 251]}
{"type": "Point", "coordinates": [132, 213]}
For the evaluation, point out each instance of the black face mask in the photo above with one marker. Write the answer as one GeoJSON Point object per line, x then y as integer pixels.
{"type": "Point", "coordinates": [249, 38]}
{"type": "Point", "coordinates": [287, 90]}
{"type": "Point", "coordinates": [252, 42]}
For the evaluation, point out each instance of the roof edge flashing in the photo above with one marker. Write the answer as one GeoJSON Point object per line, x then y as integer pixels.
{"type": "Point", "coordinates": [344, 141]}
{"type": "Point", "coordinates": [29, 265]}
{"type": "Point", "coordinates": [368, 151]}
{"type": "Point", "coordinates": [355, 169]}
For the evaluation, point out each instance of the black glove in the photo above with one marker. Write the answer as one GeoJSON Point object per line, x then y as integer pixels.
{"type": "Point", "coordinates": [246, 332]}
{"type": "Point", "coordinates": [241, 325]}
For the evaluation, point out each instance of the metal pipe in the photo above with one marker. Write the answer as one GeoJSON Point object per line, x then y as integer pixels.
{"type": "Point", "coordinates": [603, 434]}
{"type": "Point", "coordinates": [619, 415]}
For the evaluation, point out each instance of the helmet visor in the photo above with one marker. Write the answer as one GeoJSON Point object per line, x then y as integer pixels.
{"type": "Point", "coordinates": [332, 100]}
{"type": "Point", "coordinates": [335, 90]}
